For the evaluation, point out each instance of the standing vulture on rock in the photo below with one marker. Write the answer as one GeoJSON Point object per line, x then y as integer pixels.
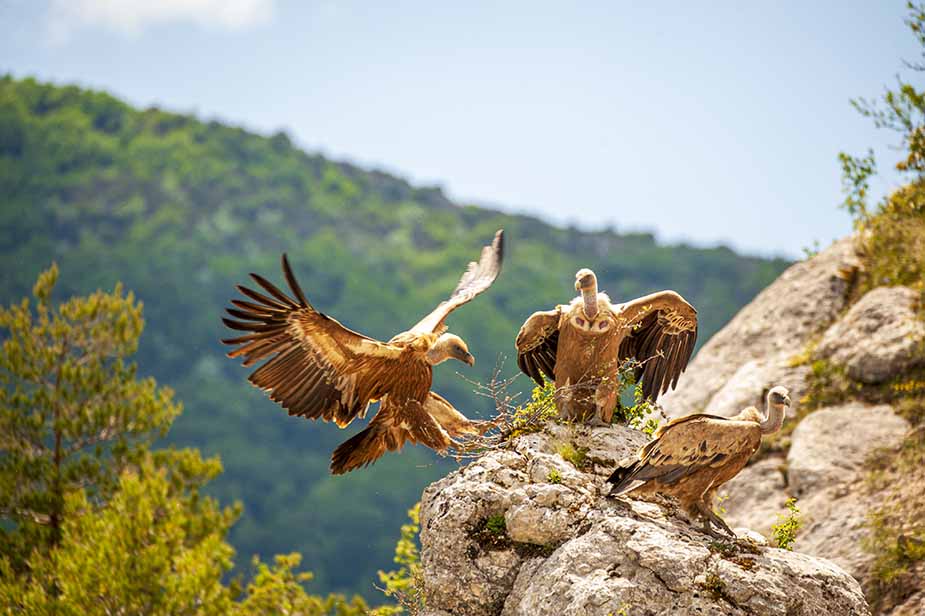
{"type": "Point", "coordinates": [692, 456]}
{"type": "Point", "coordinates": [319, 369]}
{"type": "Point", "coordinates": [581, 347]}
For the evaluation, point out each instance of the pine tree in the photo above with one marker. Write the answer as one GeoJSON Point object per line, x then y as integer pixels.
{"type": "Point", "coordinates": [73, 413]}
{"type": "Point", "coordinates": [92, 520]}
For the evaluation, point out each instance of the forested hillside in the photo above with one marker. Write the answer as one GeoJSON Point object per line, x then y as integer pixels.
{"type": "Point", "coordinates": [180, 210]}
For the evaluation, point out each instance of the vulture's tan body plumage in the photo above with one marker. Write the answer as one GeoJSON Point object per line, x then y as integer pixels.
{"type": "Point", "coordinates": [319, 369]}
{"type": "Point", "coordinates": [691, 456]}
{"type": "Point", "coordinates": [582, 345]}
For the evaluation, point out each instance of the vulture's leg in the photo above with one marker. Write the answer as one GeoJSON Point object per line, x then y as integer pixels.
{"type": "Point", "coordinates": [606, 398]}
{"type": "Point", "coordinates": [710, 519]}
{"type": "Point", "coordinates": [564, 400]}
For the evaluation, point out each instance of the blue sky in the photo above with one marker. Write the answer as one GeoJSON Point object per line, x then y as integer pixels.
{"type": "Point", "coordinates": [712, 123]}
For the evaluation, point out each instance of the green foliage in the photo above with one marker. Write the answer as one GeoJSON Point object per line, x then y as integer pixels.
{"type": "Point", "coordinates": [279, 590]}
{"type": "Point", "coordinates": [578, 456]}
{"type": "Point", "coordinates": [496, 525]}
{"type": "Point", "coordinates": [554, 476]}
{"type": "Point", "coordinates": [642, 414]}
{"type": "Point", "coordinates": [532, 416]}
{"type": "Point", "coordinates": [893, 233]}
{"type": "Point", "coordinates": [72, 413]}
{"type": "Point", "coordinates": [92, 520]}
{"type": "Point", "coordinates": [892, 244]}
{"type": "Point", "coordinates": [406, 583]}
{"type": "Point", "coordinates": [182, 209]}
{"type": "Point", "coordinates": [138, 553]}
{"type": "Point", "coordinates": [785, 531]}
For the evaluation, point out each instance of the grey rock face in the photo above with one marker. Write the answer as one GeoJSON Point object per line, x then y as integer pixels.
{"type": "Point", "coordinates": [568, 549]}
{"type": "Point", "coordinates": [751, 382]}
{"type": "Point", "coordinates": [879, 337]}
{"type": "Point", "coordinates": [800, 304]}
{"type": "Point", "coordinates": [830, 445]}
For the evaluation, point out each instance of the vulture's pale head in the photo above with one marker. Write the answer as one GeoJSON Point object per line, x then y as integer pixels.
{"type": "Point", "coordinates": [779, 396]}
{"type": "Point", "coordinates": [450, 346]}
{"type": "Point", "coordinates": [585, 280]}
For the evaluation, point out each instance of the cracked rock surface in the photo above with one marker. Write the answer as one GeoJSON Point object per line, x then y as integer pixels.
{"type": "Point", "coordinates": [566, 549]}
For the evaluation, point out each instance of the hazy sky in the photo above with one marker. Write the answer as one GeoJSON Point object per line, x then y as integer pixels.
{"type": "Point", "coordinates": [709, 122]}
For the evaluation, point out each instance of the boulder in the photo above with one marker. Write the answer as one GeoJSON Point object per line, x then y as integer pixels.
{"type": "Point", "coordinates": [751, 382]}
{"type": "Point", "coordinates": [565, 548]}
{"type": "Point", "coordinates": [879, 337]}
{"type": "Point", "coordinates": [778, 323]}
{"type": "Point", "coordinates": [829, 446]}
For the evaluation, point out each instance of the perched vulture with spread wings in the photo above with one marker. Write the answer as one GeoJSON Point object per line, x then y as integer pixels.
{"type": "Point", "coordinates": [692, 456]}
{"type": "Point", "coordinates": [581, 347]}
{"type": "Point", "coordinates": [319, 369]}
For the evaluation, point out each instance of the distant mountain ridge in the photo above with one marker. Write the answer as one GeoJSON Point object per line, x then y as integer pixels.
{"type": "Point", "coordinates": [180, 210]}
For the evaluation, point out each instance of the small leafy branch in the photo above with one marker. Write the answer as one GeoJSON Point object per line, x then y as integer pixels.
{"type": "Point", "coordinates": [515, 419]}
{"type": "Point", "coordinates": [643, 414]}
{"type": "Point", "coordinates": [785, 531]}
{"type": "Point", "coordinates": [407, 583]}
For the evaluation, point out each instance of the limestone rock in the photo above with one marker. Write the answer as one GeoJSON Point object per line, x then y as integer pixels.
{"type": "Point", "coordinates": [830, 445]}
{"type": "Point", "coordinates": [751, 382]}
{"type": "Point", "coordinates": [879, 337]}
{"type": "Point", "coordinates": [653, 566]}
{"type": "Point", "coordinates": [568, 549]}
{"type": "Point", "coordinates": [779, 322]}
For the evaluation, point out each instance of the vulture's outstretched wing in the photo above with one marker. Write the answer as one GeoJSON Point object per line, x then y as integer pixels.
{"type": "Point", "coordinates": [537, 343]}
{"type": "Point", "coordinates": [392, 426]}
{"type": "Point", "coordinates": [476, 279]}
{"type": "Point", "coordinates": [317, 368]}
{"type": "Point", "coordinates": [663, 331]}
{"type": "Point", "coordinates": [692, 444]}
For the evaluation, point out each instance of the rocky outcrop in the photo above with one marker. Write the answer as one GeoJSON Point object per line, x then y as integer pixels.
{"type": "Point", "coordinates": [768, 332]}
{"type": "Point", "coordinates": [805, 316]}
{"type": "Point", "coordinates": [521, 531]}
{"type": "Point", "coordinates": [878, 338]}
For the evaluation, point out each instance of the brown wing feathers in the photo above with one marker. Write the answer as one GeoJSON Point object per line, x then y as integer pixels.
{"type": "Point", "coordinates": [311, 369]}
{"type": "Point", "coordinates": [476, 279]}
{"type": "Point", "coordinates": [662, 353]}
{"type": "Point", "coordinates": [537, 344]}
{"type": "Point", "coordinates": [541, 359]}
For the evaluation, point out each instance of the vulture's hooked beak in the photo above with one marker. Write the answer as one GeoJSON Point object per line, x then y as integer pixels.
{"type": "Point", "coordinates": [469, 359]}
{"type": "Point", "coordinates": [787, 400]}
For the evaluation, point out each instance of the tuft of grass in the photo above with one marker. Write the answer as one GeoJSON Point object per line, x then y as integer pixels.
{"type": "Point", "coordinates": [491, 533]}
{"type": "Point", "coordinates": [554, 476]}
{"type": "Point", "coordinates": [785, 531]}
{"type": "Point", "coordinates": [715, 586]}
{"type": "Point", "coordinates": [496, 525]}
{"type": "Point", "coordinates": [578, 456]}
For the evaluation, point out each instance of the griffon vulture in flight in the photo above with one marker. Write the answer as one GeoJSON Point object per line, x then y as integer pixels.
{"type": "Point", "coordinates": [582, 345]}
{"type": "Point", "coordinates": [692, 456]}
{"type": "Point", "coordinates": [319, 369]}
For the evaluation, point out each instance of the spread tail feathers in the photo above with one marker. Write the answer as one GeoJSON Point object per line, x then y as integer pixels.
{"type": "Point", "coordinates": [365, 448]}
